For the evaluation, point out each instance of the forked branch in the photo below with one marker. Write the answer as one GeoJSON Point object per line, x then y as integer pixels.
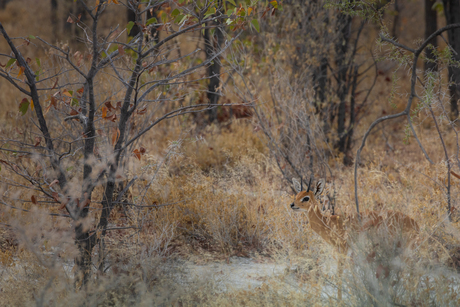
{"type": "Point", "coordinates": [406, 111]}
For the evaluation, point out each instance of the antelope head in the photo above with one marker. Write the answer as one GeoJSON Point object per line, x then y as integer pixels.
{"type": "Point", "coordinates": [306, 200]}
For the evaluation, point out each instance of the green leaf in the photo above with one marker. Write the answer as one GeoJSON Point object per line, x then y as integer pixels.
{"type": "Point", "coordinates": [232, 2]}
{"type": "Point", "coordinates": [183, 19]}
{"type": "Point", "coordinates": [178, 18]}
{"type": "Point", "coordinates": [10, 62]}
{"type": "Point", "coordinates": [23, 106]}
{"type": "Point", "coordinates": [130, 26]}
{"type": "Point", "coordinates": [151, 20]}
{"type": "Point", "coordinates": [37, 75]}
{"type": "Point", "coordinates": [175, 13]}
{"type": "Point", "coordinates": [31, 37]}
{"type": "Point", "coordinates": [438, 7]}
{"type": "Point", "coordinates": [255, 23]}
{"type": "Point", "coordinates": [39, 63]}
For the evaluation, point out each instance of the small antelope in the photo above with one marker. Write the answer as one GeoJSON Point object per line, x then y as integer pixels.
{"type": "Point", "coordinates": [335, 229]}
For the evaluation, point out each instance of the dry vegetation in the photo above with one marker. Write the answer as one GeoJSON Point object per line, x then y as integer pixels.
{"type": "Point", "coordinates": [216, 192]}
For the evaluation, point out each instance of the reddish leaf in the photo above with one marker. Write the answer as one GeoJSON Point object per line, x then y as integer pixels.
{"type": "Point", "coordinates": [118, 105]}
{"type": "Point", "coordinates": [142, 111]}
{"type": "Point", "coordinates": [137, 154]}
{"type": "Point", "coordinates": [55, 84]}
{"type": "Point", "coordinates": [53, 103]}
{"type": "Point", "coordinates": [37, 141]}
{"type": "Point", "coordinates": [4, 162]}
{"type": "Point", "coordinates": [34, 200]}
{"type": "Point", "coordinates": [121, 50]}
{"type": "Point", "coordinates": [142, 150]}
{"type": "Point", "coordinates": [74, 112]}
{"type": "Point", "coordinates": [112, 117]}
{"type": "Point", "coordinates": [109, 105]}
{"type": "Point", "coordinates": [70, 20]}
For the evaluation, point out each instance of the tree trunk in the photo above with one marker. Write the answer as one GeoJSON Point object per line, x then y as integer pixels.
{"type": "Point", "coordinates": [54, 19]}
{"type": "Point", "coordinates": [212, 46]}
{"type": "Point", "coordinates": [452, 13]}
{"type": "Point", "coordinates": [68, 26]}
{"type": "Point", "coordinates": [341, 49]}
{"type": "Point", "coordinates": [431, 25]}
{"type": "Point", "coordinates": [396, 20]}
{"type": "Point", "coordinates": [3, 4]}
{"type": "Point", "coordinates": [132, 16]}
{"type": "Point", "coordinates": [80, 11]}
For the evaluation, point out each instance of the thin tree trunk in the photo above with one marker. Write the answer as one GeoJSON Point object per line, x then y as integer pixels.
{"type": "Point", "coordinates": [214, 68]}
{"type": "Point", "coordinates": [68, 26]}
{"type": "Point", "coordinates": [452, 13]}
{"type": "Point", "coordinates": [396, 20]}
{"type": "Point", "coordinates": [431, 25]}
{"type": "Point", "coordinates": [132, 16]}
{"type": "Point", "coordinates": [341, 52]}
{"type": "Point", "coordinates": [54, 19]}
{"type": "Point", "coordinates": [81, 14]}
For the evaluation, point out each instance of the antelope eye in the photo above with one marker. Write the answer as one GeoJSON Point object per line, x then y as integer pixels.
{"type": "Point", "coordinates": [306, 198]}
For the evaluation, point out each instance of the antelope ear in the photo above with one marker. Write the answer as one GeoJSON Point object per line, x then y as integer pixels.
{"type": "Point", "coordinates": [296, 185]}
{"type": "Point", "coordinates": [319, 187]}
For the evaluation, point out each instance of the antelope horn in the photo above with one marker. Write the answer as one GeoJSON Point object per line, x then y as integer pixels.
{"type": "Point", "coordinates": [309, 184]}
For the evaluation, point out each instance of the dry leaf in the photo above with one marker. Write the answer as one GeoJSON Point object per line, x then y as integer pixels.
{"type": "Point", "coordinates": [121, 50]}
{"type": "Point", "coordinates": [137, 154]}
{"type": "Point", "coordinates": [21, 71]}
{"type": "Point", "coordinates": [104, 112]}
{"type": "Point", "coordinates": [115, 135]}
{"type": "Point", "coordinates": [53, 183]}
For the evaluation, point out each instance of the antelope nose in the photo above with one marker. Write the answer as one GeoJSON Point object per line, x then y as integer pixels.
{"type": "Point", "coordinates": [292, 205]}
